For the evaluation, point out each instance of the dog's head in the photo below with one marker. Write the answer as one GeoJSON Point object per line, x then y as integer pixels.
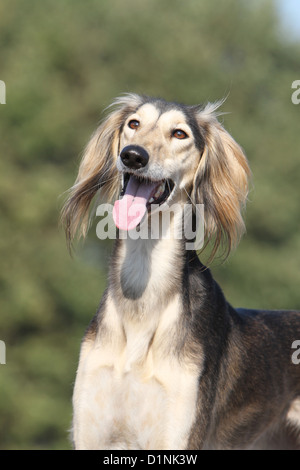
{"type": "Point", "coordinates": [149, 151]}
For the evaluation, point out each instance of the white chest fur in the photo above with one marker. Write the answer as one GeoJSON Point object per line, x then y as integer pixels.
{"type": "Point", "coordinates": [132, 389]}
{"type": "Point", "coordinates": [131, 394]}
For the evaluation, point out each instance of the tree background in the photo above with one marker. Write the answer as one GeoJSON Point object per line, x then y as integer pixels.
{"type": "Point", "coordinates": [63, 62]}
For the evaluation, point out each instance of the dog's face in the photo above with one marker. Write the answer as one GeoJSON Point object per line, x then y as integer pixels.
{"type": "Point", "coordinates": [158, 157]}
{"type": "Point", "coordinates": [159, 144]}
{"type": "Point", "coordinates": [155, 152]}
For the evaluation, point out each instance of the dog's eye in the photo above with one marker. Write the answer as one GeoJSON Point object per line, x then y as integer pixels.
{"type": "Point", "coordinates": [179, 134]}
{"type": "Point", "coordinates": [133, 124]}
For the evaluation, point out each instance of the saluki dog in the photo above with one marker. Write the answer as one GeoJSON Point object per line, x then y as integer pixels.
{"type": "Point", "coordinates": [167, 362]}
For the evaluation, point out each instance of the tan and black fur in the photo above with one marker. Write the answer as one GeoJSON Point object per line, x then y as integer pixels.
{"type": "Point", "coordinates": [167, 362]}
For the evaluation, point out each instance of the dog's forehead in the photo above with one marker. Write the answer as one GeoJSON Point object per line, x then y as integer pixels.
{"type": "Point", "coordinates": [163, 112]}
{"type": "Point", "coordinates": [170, 115]}
{"type": "Point", "coordinates": [148, 112]}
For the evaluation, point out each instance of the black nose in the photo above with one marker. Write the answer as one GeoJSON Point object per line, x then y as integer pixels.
{"type": "Point", "coordinates": [134, 157]}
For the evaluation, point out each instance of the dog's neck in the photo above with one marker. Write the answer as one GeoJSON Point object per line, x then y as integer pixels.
{"type": "Point", "coordinates": [148, 272]}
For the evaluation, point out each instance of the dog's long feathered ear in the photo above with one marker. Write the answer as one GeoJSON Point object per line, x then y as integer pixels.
{"type": "Point", "coordinates": [220, 182]}
{"type": "Point", "coordinates": [97, 171]}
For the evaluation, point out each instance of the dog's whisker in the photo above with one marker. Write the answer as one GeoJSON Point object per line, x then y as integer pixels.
{"type": "Point", "coordinates": [189, 197]}
{"type": "Point", "coordinates": [98, 185]}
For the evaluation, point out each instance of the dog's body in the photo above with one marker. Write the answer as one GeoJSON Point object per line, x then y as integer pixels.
{"type": "Point", "coordinates": [166, 362]}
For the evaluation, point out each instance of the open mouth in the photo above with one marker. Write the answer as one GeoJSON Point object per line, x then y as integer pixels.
{"type": "Point", "coordinates": [160, 190]}
{"type": "Point", "coordinates": [137, 197]}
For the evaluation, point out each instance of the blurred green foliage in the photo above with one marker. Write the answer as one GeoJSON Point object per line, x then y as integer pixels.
{"type": "Point", "coordinates": [63, 63]}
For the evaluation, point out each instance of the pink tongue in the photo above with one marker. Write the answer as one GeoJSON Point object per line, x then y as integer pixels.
{"type": "Point", "coordinates": [129, 211]}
